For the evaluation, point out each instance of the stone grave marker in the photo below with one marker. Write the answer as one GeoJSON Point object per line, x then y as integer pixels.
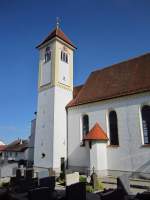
{"type": "Point", "coordinates": [72, 178]}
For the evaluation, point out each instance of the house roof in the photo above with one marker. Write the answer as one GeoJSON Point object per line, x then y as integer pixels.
{"type": "Point", "coordinates": [96, 133]}
{"type": "Point", "coordinates": [2, 147]}
{"type": "Point", "coordinates": [76, 90]}
{"type": "Point", "coordinates": [17, 146]}
{"type": "Point", "coordinates": [125, 78]}
{"type": "Point", "coordinates": [57, 32]}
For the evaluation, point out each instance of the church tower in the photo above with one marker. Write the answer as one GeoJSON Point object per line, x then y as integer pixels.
{"type": "Point", "coordinates": [55, 90]}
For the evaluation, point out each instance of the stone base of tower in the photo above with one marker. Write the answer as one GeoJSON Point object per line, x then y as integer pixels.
{"type": "Point", "coordinates": [44, 172]}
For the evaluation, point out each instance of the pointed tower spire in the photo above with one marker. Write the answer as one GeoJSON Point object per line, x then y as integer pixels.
{"type": "Point", "coordinates": [57, 32]}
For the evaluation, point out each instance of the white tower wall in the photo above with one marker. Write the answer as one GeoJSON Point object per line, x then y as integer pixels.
{"type": "Point", "coordinates": [44, 129]}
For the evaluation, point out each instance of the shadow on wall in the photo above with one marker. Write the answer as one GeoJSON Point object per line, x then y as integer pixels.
{"type": "Point", "coordinates": [79, 159]}
{"type": "Point", "coordinates": [143, 171]}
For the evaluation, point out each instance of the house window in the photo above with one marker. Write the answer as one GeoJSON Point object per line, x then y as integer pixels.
{"type": "Point", "coordinates": [64, 57]}
{"type": "Point", "coordinates": [145, 112]}
{"type": "Point", "coordinates": [113, 128]}
{"type": "Point", "coordinates": [47, 54]}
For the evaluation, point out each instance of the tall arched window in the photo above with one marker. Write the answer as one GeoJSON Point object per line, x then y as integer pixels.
{"type": "Point", "coordinates": [145, 112]}
{"type": "Point", "coordinates": [113, 128]}
{"type": "Point", "coordinates": [85, 125]}
{"type": "Point", "coordinates": [64, 56]}
{"type": "Point", "coordinates": [47, 54]}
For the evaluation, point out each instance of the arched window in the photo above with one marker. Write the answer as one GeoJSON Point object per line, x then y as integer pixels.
{"type": "Point", "coordinates": [64, 56]}
{"type": "Point", "coordinates": [61, 55]}
{"type": "Point", "coordinates": [113, 128]}
{"type": "Point", "coordinates": [47, 54]}
{"type": "Point", "coordinates": [85, 125]}
{"type": "Point", "coordinates": [145, 112]}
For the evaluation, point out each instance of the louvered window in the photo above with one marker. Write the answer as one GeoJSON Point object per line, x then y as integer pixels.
{"type": "Point", "coordinates": [146, 123]}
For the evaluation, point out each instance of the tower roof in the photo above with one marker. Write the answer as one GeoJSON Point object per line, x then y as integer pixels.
{"type": "Point", "coordinates": [57, 32]}
{"type": "Point", "coordinates": [96, 133]}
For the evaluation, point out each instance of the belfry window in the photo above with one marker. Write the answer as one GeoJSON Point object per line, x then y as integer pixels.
{"type": "Point", "coordinates": [145, 112]}
{"type": "Point", "coordinates": [64, 56]}
{"type": "Point", "coordinates": [113, 128]}
{"type": "Point", "coordinates": [47, 54]}
{"type": "Point", "coordinates": [85, 125]}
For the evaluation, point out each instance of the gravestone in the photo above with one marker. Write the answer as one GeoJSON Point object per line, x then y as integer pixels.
{"type": "Point", "coordinates": [18, 173]}
{"type": "Point", "coordinates": [76, 191]}
{"type": "Point", "coordinates": [123, 184]}
{"type": "Point", "coordinates": [42, 174]}
{"type": "Point", "coordinates": [29, 173]}
{"type": "Point", "coordinates": [48, 182]}
{"type": "Point", "coordinates": [72, 178]}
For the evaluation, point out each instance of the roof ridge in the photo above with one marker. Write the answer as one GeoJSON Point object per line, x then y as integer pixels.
{"type": "Point", "coordinates": [121, 62]}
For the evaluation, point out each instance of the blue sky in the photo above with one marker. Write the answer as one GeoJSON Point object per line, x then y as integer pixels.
{"type": "Point", "coordinates": [105, 32]}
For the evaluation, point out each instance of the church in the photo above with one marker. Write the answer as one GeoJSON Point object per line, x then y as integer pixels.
{"type": "Point", "coordinates": [103, 124]}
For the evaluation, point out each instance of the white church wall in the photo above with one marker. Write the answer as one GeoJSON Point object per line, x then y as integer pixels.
{"type": "Point", "coordinates": [44, 129]}
{"type": "Point", "coordinates": [101, 156]}
{"type": "Point", "coordinates": [78, 156]}
{"type": "Point", "coordinates": [130, 155]}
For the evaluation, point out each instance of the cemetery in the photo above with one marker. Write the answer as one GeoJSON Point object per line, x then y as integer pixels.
{"type": "Point", "coordinates": [72, 186]}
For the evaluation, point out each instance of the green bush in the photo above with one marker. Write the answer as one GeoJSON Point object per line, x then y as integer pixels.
{"type": "Point", "coordinates": [99, 185]}
{"type": "Point", "coordinates": [89, 188]}
{"type": "Point", "coordinates": [5, 184]}
{"type": "Point", "coordinates": [82, 178]}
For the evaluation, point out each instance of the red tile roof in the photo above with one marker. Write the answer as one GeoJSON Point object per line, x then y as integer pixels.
{"type": "Point", "coordinates": [2, 147]}
{"type": "Point", "coordinates": [126, 78]}
{"type": "Point", "coordinates": [17, 146]}
{"type": "Point", "coordinates": [96, 133]}
{"type": "Point", "coordinates": [57, 32]}
{"type": "Point", "coordinates": [76, 90]}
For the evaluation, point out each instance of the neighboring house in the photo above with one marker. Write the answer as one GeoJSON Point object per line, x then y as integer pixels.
{"type": "Point", "coordinates": [16, 151]}
{"type": "Point", "coordinates": [2, 148]}
{"type": "Point", "coordinates": [103, 124]}
{"type": "Point", "coordinates": [20, 150]}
